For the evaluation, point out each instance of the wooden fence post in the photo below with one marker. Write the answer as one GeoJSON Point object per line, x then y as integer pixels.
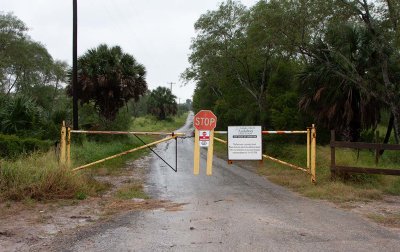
{"type": "Point", "coordinates": [333, 155]}
{"type": "Point", "coordinates": [377, 150]}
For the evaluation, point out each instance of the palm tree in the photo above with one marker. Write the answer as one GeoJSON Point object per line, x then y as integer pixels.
{"type": "Point", "coordinates": [109, 77]}
{"type": "Point", "coordinates": [328, 90]}
{"type": "Point", "coordinates": [162, 103]}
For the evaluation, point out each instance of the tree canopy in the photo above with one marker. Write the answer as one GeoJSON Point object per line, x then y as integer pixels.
{"type": "Point", "coordinates": [25, 63]}
{"type": "Point", "coordinates": [162, 103]}
{"type": "Point", "coordinates": [32, 100]}
{"type": "Point", "coordinates": [109, 78]}
{"type": "Point", "coordinates": [288, 63]}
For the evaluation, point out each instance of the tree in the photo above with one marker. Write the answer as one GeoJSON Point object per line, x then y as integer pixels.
{"type": "Point", "coordinates": [225, 58]}
{"type": "Point", "coordinates": [109, 78]}
{"type": "Point", "coordinates": [327, 92]}
{"type": "Point", "coordinates": [235, 57]}
{"type": "Point", "coordinates": [382, 23]}
{"type": "Point", "coordinates": [162, 103]}
{"type": "Point", "coordinates": [24, 63]}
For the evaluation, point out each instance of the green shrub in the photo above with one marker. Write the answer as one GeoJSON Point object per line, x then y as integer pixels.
{"type": "Point", "coordinates": [91, 120]}
{"type": "Point", "coordinates": [19, 115]}
{"type": "Point", "coordinates": [12, 146]}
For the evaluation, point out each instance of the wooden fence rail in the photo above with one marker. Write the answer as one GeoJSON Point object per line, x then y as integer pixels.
{"type": "Point", "coordinates": [335, 169]}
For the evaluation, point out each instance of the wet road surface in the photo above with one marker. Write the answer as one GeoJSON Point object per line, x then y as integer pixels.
{"type": "Point", "coordinates": [233, 210]}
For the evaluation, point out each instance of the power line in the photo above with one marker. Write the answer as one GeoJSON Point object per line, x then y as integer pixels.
{"type": "Point", "coordinates": [171, 83]}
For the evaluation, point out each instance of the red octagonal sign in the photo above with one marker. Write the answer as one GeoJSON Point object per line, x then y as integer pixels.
{"type": "Point", "coordinates": [205, 120]}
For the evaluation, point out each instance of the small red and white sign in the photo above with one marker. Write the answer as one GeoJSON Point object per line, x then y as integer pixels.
{"type": "Point", "coordinates": [204, 138]}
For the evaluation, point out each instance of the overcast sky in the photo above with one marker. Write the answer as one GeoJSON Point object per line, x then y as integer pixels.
{"type": "Point", "coordinates": [157, 33]}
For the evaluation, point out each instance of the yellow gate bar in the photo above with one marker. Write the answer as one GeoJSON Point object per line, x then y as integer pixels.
{"type": "Point", "coordinates": [127, 133]}
{"type": "Point", "coordinates": [220, 140]}
{"type": "Point", "coordinates": [286, 163]}
{"type": "Point", "coordinates": [311, 151]}
{"type": "Point", "coordinates": [123, 153]}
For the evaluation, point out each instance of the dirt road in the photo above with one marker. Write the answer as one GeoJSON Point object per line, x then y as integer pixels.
{"type": "Point", "coordinates": [233, 210]}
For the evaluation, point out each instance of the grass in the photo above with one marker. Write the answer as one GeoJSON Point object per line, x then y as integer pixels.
{"type": "Point", "coordinates": [388, 219]}
{"type": "Point", "coordinates": [39, 177]}
{"type": "Point", "coordinates": [150, 123]}
{"type": "Point", "coordinates": [357, 187]}
{"type": "Point", "coordinates": [89, 151]}
{"type": "Point", "coordinates": [131, 191]}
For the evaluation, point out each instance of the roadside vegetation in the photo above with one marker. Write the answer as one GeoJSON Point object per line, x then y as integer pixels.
{"type": "Point", "coordinates": [285, 65]}
{"type": "Point", "coordinates": [352, 188]}
{"type": "Point", "coordinates": [355, 187]}
{"type": "Point", "coordinates": [39, 176]}
{"type": "Point", "coordinates": [35, 98]}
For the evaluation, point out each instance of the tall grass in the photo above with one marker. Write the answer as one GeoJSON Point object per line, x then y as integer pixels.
{"type": "Point", "coordinates": [38, 176]}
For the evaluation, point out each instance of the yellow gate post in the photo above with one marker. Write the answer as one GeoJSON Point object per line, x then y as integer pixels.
{"type": "Point", "coordinates": [313, 153]}
{"type": "Point", "coordinates": [210, 154]}
{"type": "Point", "coordinates": [63, 144]}
{"type": "Point", "coordinates": [308, 147]}
{"type": "Point", "coordinates": [196, 158]}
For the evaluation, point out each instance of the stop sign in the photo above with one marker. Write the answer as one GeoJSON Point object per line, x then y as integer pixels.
{"type": "Point", "coordinates": [205, 120]}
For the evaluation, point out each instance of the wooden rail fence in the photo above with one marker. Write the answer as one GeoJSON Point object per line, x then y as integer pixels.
{"type": "Point", "coordinates": [336, 169]}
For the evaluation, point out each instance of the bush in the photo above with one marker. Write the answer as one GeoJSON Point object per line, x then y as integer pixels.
{"type": "Point", "coordinates": [91, 120]}
{"type": "Point", "coordinates": [19, 115]}
{"type": "Point", "coordinates": [12, 146]}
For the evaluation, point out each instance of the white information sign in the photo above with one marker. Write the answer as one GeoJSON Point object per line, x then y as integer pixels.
{"type": "Point", "coordinates": [244, 143]}
{"type": "Point", "coordinates": [204, 138]}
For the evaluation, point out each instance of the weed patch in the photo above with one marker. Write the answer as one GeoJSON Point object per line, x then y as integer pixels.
{"type": "Point", "coordinates": [39, 177]}
{"type": "Point", "coordinates": [388, 219]}
{"type": "Point", "coordinates": [131, 191]}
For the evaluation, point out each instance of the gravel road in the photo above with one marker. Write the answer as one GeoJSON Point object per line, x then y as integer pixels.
{"type": "Point", "coordinates": [232, 210]}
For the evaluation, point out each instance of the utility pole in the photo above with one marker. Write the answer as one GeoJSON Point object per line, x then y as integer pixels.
{"type": "Point", "coordinates": [75, 65]}
{"type": "Point", "coordinates": [171, 83]}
